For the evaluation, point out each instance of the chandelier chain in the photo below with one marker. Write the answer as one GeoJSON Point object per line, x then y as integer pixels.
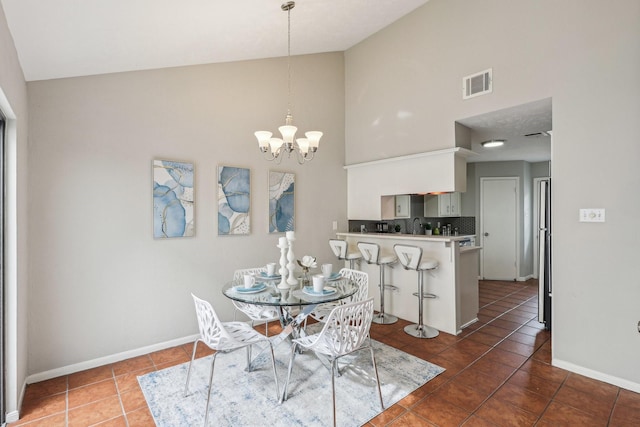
{"type": "Point", "coordinates": [276, 148]}
{"type": "Point", "coordinates": [289, 60]}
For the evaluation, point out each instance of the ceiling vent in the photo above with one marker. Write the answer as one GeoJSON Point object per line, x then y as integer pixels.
{"type": "Point", "coordinates": [477, 84]}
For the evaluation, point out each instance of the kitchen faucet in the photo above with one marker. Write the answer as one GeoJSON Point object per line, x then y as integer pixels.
{"type": "Point", "coordinates": [414, 224]}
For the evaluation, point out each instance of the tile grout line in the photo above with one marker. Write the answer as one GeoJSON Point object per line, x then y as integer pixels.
{"type": "Point", "coordinates": [483, 354]}
{"type": "Point", "coordinates": [115, 381]}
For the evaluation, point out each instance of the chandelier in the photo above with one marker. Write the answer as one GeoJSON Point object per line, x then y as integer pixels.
{"type": "Point", "coordinates": [274, 148]}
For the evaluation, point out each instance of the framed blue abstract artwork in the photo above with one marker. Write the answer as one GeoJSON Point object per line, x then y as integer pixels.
{"type": "Point", "coordinates": [172, 199]}
{"type": "Point", "coordinates": [281, 201]}
{"type": "Point", "coordinates": [234, 200]}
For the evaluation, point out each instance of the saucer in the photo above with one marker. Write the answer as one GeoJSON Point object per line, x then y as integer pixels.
{"type": "Point", "coordinates": [334, 276]}
{"type": "Point", "coordinates": [326, 291]}
{"type": "Point", "coordinates": [266, 276]}
{"type": "Point", "coordinates": [256, 288]}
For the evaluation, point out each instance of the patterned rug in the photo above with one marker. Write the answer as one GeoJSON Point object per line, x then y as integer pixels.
{"type": "Point", "coordinates": [249, 399]}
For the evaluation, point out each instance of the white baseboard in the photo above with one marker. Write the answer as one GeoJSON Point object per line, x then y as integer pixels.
{"type": "Point", "coordinates": [77, 367]}
{"type": "Point", "coordinates": [596, 375]}
{"type": "Point", "coordinates": [525, 278]}
{"type": "Point", "coordinates": [12, 417]}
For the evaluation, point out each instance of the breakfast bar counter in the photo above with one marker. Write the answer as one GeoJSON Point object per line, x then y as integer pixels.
{"type": "Point", "coordinates": [454, 282]}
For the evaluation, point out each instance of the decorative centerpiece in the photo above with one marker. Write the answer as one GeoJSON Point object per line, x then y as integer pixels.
{"type": "Point", "coordinates": [283, 246]}
{"type": "Point", "coordinates": [307, 262]}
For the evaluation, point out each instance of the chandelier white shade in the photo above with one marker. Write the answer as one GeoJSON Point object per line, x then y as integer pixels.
{"type": "Point", "coordinates": [274, 148]}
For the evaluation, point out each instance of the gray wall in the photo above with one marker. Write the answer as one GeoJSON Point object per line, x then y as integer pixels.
{"type": "Point", "coordinates": [100, 283]}
{"type": "Point", "coordinates": [13, 104]}
{"type": "Point", "coordinates": [403, 95]}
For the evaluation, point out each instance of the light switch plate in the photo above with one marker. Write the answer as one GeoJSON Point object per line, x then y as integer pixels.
{"type": "Point", "coordinates": [335, 225]}
{"type": "Point", "coordinates": [591, 215]}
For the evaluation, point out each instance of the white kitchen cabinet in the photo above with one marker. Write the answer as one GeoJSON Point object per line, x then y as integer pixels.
{"type": "Point", "coordinates": [403, 206]}
{"type": "Point", "coordinates": [396, 207]}
{"type": "Point", "coordinates": [449, 204]}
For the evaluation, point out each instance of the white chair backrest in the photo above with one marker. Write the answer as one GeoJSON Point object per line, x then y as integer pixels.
{"type": "Point", "coordinates": [348, 326]}
{"type": "Point", "coordinates": [409, 256]}
{"type": "Point", "coordinates": [361, 279]}
{"type": "Point", "coordinates": [239, 274]}
{"type": "Point", "coordinates": [211, 329]}
{"type": "Point", "coordinates": [370, 252]}
{"type": "Point", "coordinates": [339, 248]}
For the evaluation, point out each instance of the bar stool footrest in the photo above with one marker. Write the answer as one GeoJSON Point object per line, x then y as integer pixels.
{"type": "Point", "coordinates": [421, 331]}
{"type": "Point", "coordinates": [425, 296]}
{"type": "Point", "coordinates": [391, 287]}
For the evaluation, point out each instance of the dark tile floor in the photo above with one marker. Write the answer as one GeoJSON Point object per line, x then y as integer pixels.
{"type": "Point", "coordinates": [498, 374]}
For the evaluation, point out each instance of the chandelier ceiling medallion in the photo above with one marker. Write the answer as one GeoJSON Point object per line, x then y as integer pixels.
{"type": "Point", "coordinates": [274, 148]}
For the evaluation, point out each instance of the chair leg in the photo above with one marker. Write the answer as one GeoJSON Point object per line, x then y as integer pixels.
{"type": "Point", "coordinates": [294, 347]}
{"type": "Point", "coordinates": [375, 370]}
{"type": "Point", "coordinates": [206, 410]}
{"type": "Point", "coordinates": [193, 356]}
{"type": "Point", "coordinates": [249, 358]}
{"type": "Point", "coordinates": [266, 329]}
{"type": "Point", "coordinates": [333, 389]}
{"type": "Point", "coordinates": [275, 373]}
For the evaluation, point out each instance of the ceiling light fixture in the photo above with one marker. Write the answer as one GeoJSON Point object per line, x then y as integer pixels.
{"type": "Point", "coordinates": [493, 143]}
{"type": "Point", "coordinates": [274, 148]}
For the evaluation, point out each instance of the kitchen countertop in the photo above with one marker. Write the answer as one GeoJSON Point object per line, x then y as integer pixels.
{"type": "Point", "coordinates": [402, 236]}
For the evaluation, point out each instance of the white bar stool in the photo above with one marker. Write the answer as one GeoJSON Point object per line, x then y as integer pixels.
{"type": "Point", "coordinates": [371, 254]}
{"type": "Point", "coordinates": [340, 249]}
{"type": "Point", "coordinates": [411, 259]}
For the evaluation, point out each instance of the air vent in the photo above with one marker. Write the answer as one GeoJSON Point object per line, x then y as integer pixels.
{"type": "Point", "coordinates": [543, 133]}
{"type": "Point", "coordinates": [477, 84]}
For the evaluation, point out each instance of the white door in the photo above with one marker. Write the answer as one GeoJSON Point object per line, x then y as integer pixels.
{"type": "Point", "coordinates": [498, 225]}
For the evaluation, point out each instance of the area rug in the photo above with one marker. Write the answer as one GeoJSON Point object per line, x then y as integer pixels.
{"type": "Point", "coordinates": [242, 398]}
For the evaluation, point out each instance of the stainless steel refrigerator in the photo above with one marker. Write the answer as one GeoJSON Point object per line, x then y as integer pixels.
{"type": "Point", "coordinates": [544, 275]}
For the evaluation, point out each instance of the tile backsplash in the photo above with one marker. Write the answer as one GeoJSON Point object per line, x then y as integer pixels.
{"type": "Point", "coordinates": [465, 224]}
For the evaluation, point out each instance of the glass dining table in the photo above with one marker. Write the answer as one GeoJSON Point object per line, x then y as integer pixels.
{"type": "Point", "coordinates": [266, 292]}
{"type": "Point", "coordinates": [293, 304]}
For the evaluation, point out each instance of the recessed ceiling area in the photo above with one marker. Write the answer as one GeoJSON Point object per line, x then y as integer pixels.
{"type": "Point", "coordinates": [69, 38]}
{"type": "Point", "coordinates": [524, 128]}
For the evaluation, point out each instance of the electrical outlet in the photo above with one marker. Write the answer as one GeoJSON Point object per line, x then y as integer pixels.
{"type": "Point", "coordinates": [591, 215]}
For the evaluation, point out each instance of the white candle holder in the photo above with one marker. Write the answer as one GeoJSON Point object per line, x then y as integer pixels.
{"type": "Point", "coordinates": [292, 281]}
{"type": "Point", "coordinates": [283, 266]}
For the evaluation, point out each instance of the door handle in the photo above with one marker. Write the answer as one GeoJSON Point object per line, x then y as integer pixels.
{"type": "Point", "coordinates": [486, 234]}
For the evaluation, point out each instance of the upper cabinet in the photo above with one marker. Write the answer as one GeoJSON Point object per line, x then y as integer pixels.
{"type": "Point", "coordinates": [396, 207]}
{"type": "Point", "coordinates": [442, 205]}
{"type": "Point", "coordinates": [403, 206]}
{"type": "Point", "coordinates": [449, 204]}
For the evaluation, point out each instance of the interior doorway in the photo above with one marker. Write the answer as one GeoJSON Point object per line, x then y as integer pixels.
{"type": "Point", "coordinates": [499, 218]}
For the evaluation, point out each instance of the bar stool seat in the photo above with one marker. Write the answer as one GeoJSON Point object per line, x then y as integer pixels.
{"type": "Point", "coordinates": [372, 255]}
{"type": "Point", "coordinates": [341, 250]}
{"type": "Point", "coordinates": [411, 259]}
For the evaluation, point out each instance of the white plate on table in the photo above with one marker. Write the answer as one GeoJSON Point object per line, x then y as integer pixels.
{"type": "Point", "coordinates": [326, 291]}
{"type": "Point", "coordinates": [334, 276]}
{"type": "Point", "coordinates": [266, 276]}
{"type": "Point", "coordinates": [258, 287]}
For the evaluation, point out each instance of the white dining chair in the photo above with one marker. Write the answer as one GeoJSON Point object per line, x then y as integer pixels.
{"type": "Point", "coordinates": [346, 330]}
{"type": "Point", "coordinates": [360, 278]}
{"type": "Point", "coordinates": [255, 313]}
{"type": "Point", "coordinates": [224, 337]}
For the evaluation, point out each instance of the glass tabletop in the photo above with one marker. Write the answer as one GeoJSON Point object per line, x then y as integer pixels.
{"type": "Point", "coordinates": [267, 293]}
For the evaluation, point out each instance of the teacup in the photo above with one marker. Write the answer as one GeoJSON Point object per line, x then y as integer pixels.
{"type": "Point", "coordinates": [249, 280]}
{"type": "Point", "coordinates": [326, 270]}
{"type": "Point", "coordinates": [271, 269]}
{"type": "Point", "coordinates": [318, 283]}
